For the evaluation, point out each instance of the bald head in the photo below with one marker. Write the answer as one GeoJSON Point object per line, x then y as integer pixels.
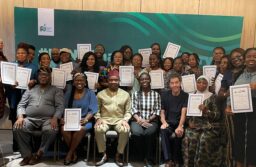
{"type": "Point", "coordinates": [55, 54]}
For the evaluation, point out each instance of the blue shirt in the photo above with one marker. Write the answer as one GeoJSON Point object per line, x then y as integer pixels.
{"type": "Point", "coordinates": [88, 103]}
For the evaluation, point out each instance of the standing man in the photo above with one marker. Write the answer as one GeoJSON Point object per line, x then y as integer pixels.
{"type": "Point", "coordinates": [38, 110]}
{"type": "Point", "coordinates": [173, 115]}
{"type": "Point", "coordinates": [114, 113]}
{"type": "Point", "coordinates": [55, 55]}
{"type": "Point", "coordinates": [99, 51]}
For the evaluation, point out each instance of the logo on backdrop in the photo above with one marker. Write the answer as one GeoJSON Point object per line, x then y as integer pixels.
{"type": "Point", "coordinates": [45, 22]}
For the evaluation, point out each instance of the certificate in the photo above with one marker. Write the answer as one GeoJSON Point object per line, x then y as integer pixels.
{"type": "Point", "coordinates": [194, 100]}
{"type": "Point", "coordinates": [157, 79]}
{"type": "Point", "coordinates": [72, 117]}
{"type": "Point", "coordinates": [218, 83]}
{"type": "Point", "coordinates": [92, 78]}
{"type": "Point", "coordinates": [126, 74]}
{"type": "Point", "coordinates": [8, 73]}
{"type": "Point", "coordinates": [82, 49]}
{"type": "Point", "coordinates": [188, 83]}
{"type": "Point", "coordinates": [145, 54]}
{"type": "Point", "coordinates": [68, 68]}
{"type": "Point", "coordinates": [241, 98]}
{"type": "Point", "coordinates": [23, 77]}
{"type": "Point", "coordinates": [58, 78]}
{"type": "Point", "coordinates": [210, 71]}
{"type": "Point", "coordinates": [172, 50]}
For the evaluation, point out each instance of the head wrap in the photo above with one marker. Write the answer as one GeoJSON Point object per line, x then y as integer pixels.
{"type": "Point", "coordinates": [206, 92]}
{"type": "Point", "coordinates": [78, 74]}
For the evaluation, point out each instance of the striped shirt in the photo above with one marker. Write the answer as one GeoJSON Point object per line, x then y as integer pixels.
{"type": "Point", "coordinates": [146, 105]}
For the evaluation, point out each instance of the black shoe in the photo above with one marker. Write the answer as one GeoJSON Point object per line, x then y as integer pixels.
{"type": "Point", "coordinates": [119, 161]}
{"type": "Point", "coordinates": [102, 161]}
{"type": "Point", "coordinates": [67, 162]}
{"type": "Point", "coordinates": [148, 163]}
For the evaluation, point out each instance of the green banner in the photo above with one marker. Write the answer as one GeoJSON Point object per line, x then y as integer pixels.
{"type": "Point", "coordinates": [195, 33]}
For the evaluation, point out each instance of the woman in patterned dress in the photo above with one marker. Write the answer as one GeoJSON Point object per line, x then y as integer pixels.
{"type": "Point", "coordinates": [204, 140]}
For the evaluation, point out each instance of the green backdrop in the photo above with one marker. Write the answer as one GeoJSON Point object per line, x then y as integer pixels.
{"type": "Point", "coordinates": [195, 33]}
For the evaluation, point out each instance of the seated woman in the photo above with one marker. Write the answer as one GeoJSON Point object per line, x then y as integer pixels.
{"type": "Point", "coordinates": [146, 105]}
{"type": "Point", "coordinates": [204, 137]}
{"type": "Point", "coordinates": [79, 97]}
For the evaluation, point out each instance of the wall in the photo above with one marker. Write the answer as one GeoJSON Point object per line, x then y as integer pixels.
{"type": "Point", "coordinates": [245, 8]}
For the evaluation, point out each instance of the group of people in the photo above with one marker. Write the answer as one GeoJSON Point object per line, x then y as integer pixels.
{"type": "Point", "coordinates": [217, 138]}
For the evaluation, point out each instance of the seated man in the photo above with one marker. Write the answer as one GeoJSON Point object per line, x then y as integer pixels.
{"type": "Point", "coordinates": [38, 110]}
{"type": "Point", "coordinates": [173, 115]}
{"type": "Point", "coordinates": [114, 113]}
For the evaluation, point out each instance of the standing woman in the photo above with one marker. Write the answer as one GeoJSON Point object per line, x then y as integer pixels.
{"type": "Point", "coordinates": [203, 141]}
{"type": "Point", "coordinates": [2, 93]}
{"type": "Point", "coordinates": [137, 64]}
{"type": "Point", "coordinates": [146, 105]}
{"type": "Point", "coordinates": [224, 64]}
{"type": "Point", "coordinates": [217, 54]}
{"type": "Point", "coordinates": [90, 64]}
{"type": "Point", "coordinates": [229, 78]}
{"type": "Point", "coordinates": [116, 61]}
{"type": "Point", "coordinates": [127, 52]}
{"type": "Point", "coordinates": [167, 65]}
{"type": "Point", "coordinates": [79, 97]}
{"type": "Point", "coordinates": [193, 62]}
{"type": "Point", "coordinates": [156, 49]}
{"type": "Point", "coordinates": [178, 66]}
{"type": "Point", "coordinates": [44, 60]}
{"type": "Point", "coordinates": [244, 149]}
{"type": "Point", "coordinates": [14, 95]}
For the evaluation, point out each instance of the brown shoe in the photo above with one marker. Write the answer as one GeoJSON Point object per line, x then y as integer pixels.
{"type": "Point", "coordinates": [25, 161]}
{"type": "Point", "coordinates": [35, 159]}
{"type": "Point", "coordinates": [102, 161]}
{"type": "Point", "coordinates": [119, 161]}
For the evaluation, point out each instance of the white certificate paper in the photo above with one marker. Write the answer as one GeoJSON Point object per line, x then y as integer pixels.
{"type": "Point", "coordinates": [157, 79]}
{"type": "Point", "coordinates": [145, 54]}
{"type": "Point", "coordinates": [82, 49]}
{"type": "Point", "coordinates": [241, 98]}
{"type": "Point", "coordinates": [210, 71]}
{"type": "Point", "coordinates": [218, 83]}
{"type": "Point", "coordinates": [23, 77]}
{"type": "Point", "coordinates": [194, 100]}
{"type": "Point", "coordinates": [92, 78]}
{"type": "Point", "coordinates": [8, 72]}
{"type": "Point", "coordinates": [172, 50]}
{"type": "Point", "coordinates": [58, 78]}
{"type": "Point", "coordinates": [126, 74]}
{"type": "Point", "coordinates": [72, 117]}
{"type": "Point", "coordinates": [45, 22]}
{"type": "Point", "coordinates": [68, 68]}
{"type": "Point", "coordinates": [188, 83]}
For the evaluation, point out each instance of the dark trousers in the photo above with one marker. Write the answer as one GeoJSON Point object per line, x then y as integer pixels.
{"type": "Point", "coordinates": [171, 145]}
{"type": "Point", "coordinates": [24, 135]}
{"type": "Point", "coordinates": [144, 139]}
